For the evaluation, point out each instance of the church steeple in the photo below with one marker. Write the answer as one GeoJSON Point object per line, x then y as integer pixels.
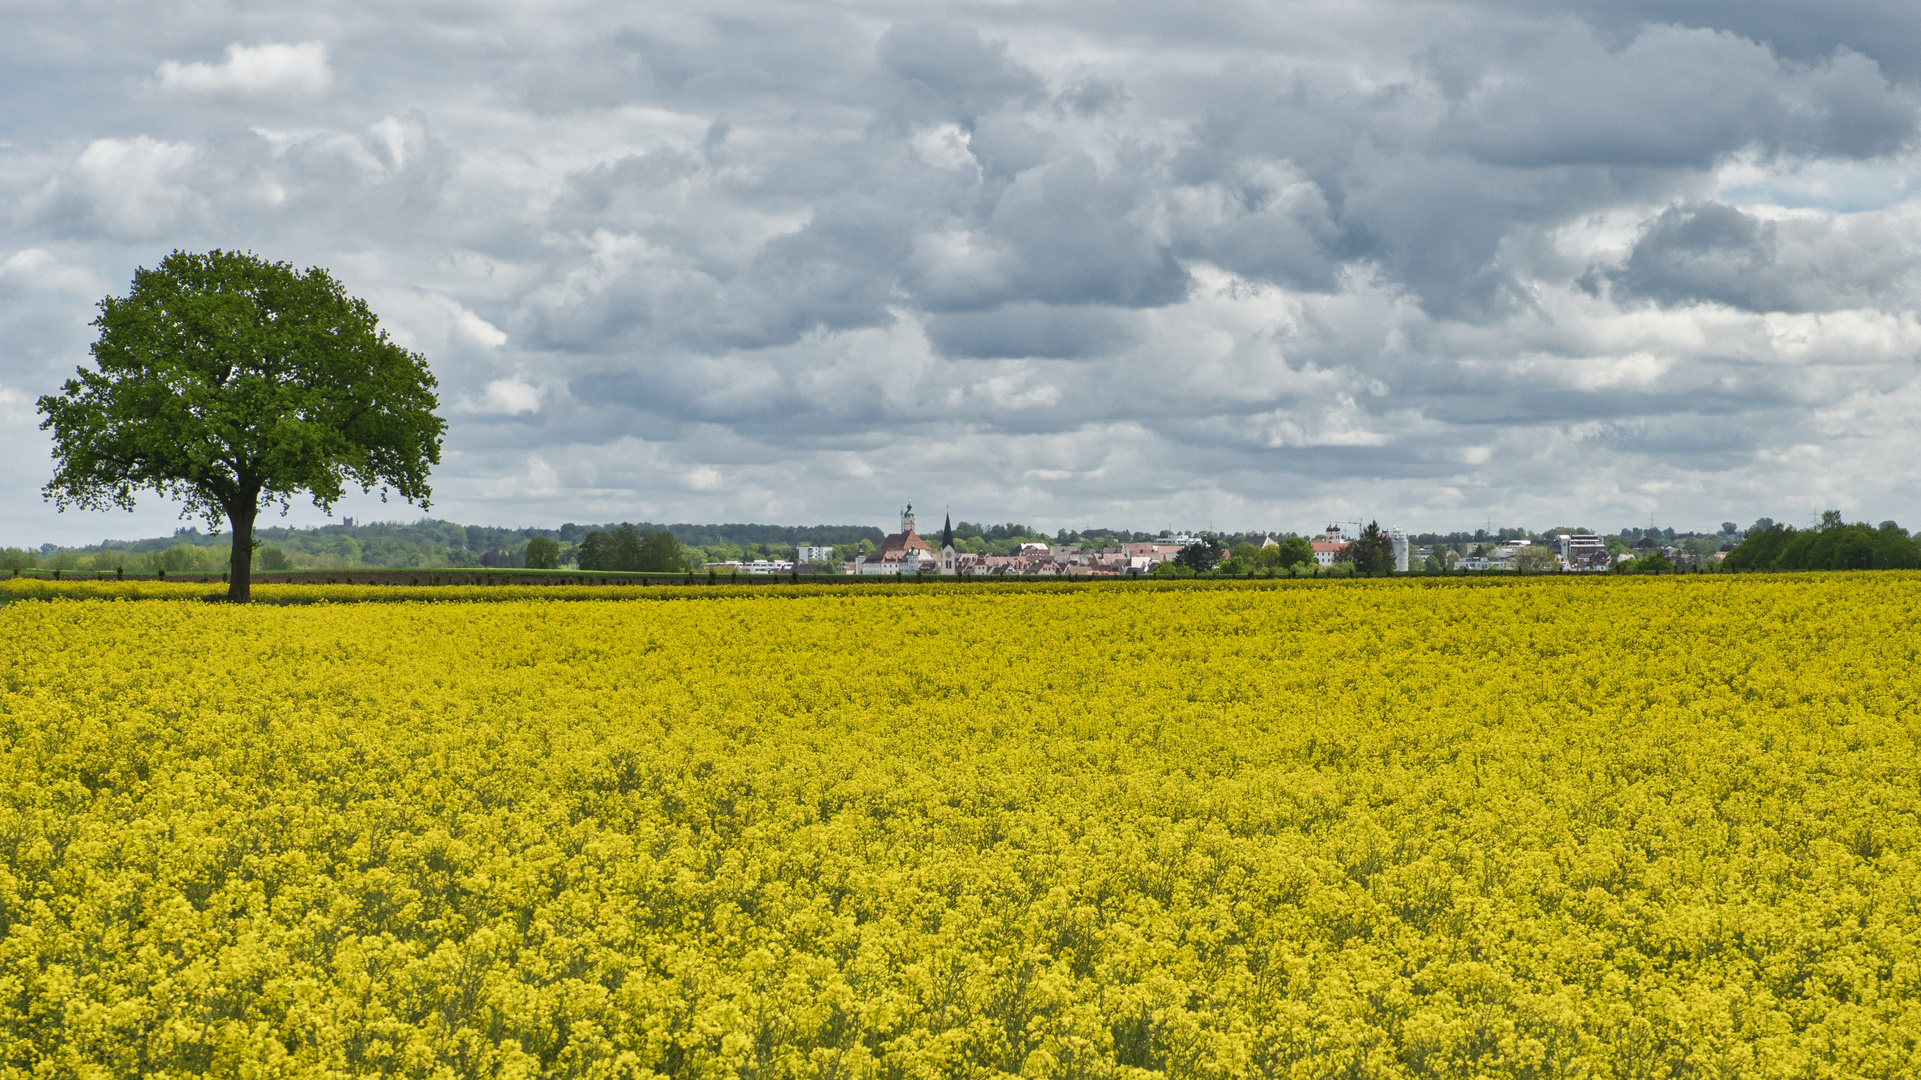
{"type": "Point", "coordinates": [947, 532]}
{"type": "Point", "coordinates": [907, 520]}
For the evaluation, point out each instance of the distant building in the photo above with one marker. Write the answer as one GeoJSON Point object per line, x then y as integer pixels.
{"type": "Point", "coordinates": [752, 566]}
{"type": "Point", "coordinates": [805, 553]}
{"type": "Point", "coordinates": [903, 552]}
{"type": "Point", "coordinates": [1582, 551]}
{"type": "Point", "coordinates": [1326, 552]}
{"type": "Point", "coordinates": [1149, 555]}
{"type": "Point", "coordinates": [949, 558]}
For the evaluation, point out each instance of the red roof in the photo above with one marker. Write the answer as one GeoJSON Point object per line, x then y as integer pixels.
{"type": "Point", "coordinates": [900, 542]}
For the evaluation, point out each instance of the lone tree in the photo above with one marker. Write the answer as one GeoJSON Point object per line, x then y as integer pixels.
{"type": "Point", "coordinates": [1373, 551]}
{"type": "Point", "coordinates": [1200, 556]}
{"type": "Point", "coordinates": [230, 383]}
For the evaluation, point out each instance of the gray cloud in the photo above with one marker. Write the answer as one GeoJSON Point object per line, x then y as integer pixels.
{"type": "Point", "coordinates": [1675, 98]}
{"type": "Point", "coordinates": [1118, 262]}
{"type": "Point", "coordinates": [947, 71]}
{"type": "Point", "coordinates": [1715, 253]}
{"type": "Point", "coordinates": [1032, 329]}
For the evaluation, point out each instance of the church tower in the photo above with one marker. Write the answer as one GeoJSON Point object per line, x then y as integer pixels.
{"type": "Point", "coordinates": [948, 564]}
{"type": "Point", "coordinates": [907, 520]}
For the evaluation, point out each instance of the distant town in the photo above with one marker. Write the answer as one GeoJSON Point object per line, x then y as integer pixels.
{"type": "Point", "coordinates": [967, 550]}
{"type": "Point", "coordinates": [964, 548]}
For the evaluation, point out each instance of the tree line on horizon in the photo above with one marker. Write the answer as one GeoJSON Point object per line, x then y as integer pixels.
{"type": "Point", "coordinates": [1831, 545]}
{"type": "Point", "coordinates": [432, 543]}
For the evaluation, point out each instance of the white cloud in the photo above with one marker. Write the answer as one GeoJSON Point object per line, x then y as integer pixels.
{"type": "Point", "coordinates": [509, 397]}
{"type": "Point", "coordinates": [944, 146]}
{"type": "Point", "coordinates": [475, 330]}
{"type": "Point", "coordinates": [132, 188]}
{"type": "Point", "coordinates": [36, 269]}
{"type": "Point", "coordinates": [299, 70]}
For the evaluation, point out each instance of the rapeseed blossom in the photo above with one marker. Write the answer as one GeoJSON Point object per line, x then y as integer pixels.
{"type": "Point", "coordinates": [1369, 828]}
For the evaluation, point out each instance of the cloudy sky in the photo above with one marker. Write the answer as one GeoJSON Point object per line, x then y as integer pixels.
{"type": "Point", "coordinates": [1137, 264]}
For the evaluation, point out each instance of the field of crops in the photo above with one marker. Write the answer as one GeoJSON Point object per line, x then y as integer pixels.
{"type": "Point", "coordinates": [1550, 827]}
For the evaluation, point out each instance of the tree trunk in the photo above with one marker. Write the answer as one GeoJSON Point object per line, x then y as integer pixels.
{"type": "Point", "coordinates": [240, 572]}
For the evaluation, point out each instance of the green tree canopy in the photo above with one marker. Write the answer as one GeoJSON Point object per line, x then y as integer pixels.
{"type": "Point", "coordinates": [623, 548]}
{"type": "Point", "coordinates": [1536, 559]}
{"type": "Point", "coordinates": [230, 383]}
{"type": "Point", "coordinates": [1833, 545]}
{"type": "Point", "coordinates": [542, 554]}
{"type": "Point", "coordinates": [1296, 550]}
{"type": "Point", "coordinates": [1201, 555]}
{"type": "Point", "coordinates": [1373, 551]}
{"type": "Point", "coordinates": [659, 552]}
{"type": "Point", "coordinates": [1652, 562]}
{"type": "Point", "coordinates": [629, 548]}
{"type": "Point", "coordinates": [594, 552]}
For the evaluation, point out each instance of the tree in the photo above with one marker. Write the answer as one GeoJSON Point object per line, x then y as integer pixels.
{"type": "Point", "coordinates": [1373, 551]}
{"type": "Point", "coordinates": [623, 548]}
{"type": "Point", "coordinates": [1834, 545]}
{"type": "Point", "coordinates": [593, 554]}
{"type": "Point", "coordinates": [1296, 550]}
{"type": "Point", "coordinates": [659, 552]}
{"type": "Point", "coordinates": [1536, 559]}
{"type": "Point", "coordinates": [230, 383]}
{"type": "Point", "coordinates": [1648, 562]}
{"type": "Point", "coordinates": [542, 554]}
{"type": "Point", "coordinates": [1201, 555]}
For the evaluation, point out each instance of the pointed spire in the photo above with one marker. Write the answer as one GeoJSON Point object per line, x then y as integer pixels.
{"type": "Point", "coordinates": [947, 532]}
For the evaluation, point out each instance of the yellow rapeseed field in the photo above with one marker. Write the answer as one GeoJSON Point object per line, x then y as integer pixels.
{"type": "Point", "coordinates": [1555, 827]}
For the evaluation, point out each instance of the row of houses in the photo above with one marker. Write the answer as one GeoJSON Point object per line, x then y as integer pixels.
{"type": "Point", "coordinates": [907, 552]}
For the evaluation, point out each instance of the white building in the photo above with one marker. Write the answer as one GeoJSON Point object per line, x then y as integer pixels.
{"type": "Point", "coordinates": [753, 566]}
{"type": "Point", "coordinates": [1582, 551]}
